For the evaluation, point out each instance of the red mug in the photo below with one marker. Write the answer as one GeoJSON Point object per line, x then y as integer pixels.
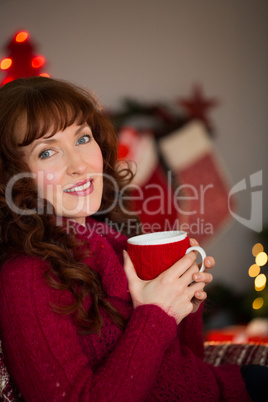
{"type": "Point", "coordinates": [153, 253]}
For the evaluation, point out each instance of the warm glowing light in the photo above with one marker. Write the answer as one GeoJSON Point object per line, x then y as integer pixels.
{"type": "Point", "coordinates": [5, 63]}
{"type": "Point", "coordinates": [261, 259]}
{"type": "Point", "coordinates": [21, 37]}
{"type": "Point", "coordinates": [254, 270]}
{"type": "Point", "coordinates": [38, 61]}
{"type": "Point", "coordinates": [44, 75]}
{"type": "Point", "coordinates": [7, 79]}
{"type": "Point", "coordinates": [256, 249]}
{"type": "Point", "coordinates": [260, 289]}
{"type": "Point", "coordinates": [260, 281]}
{"type": "Point", "coordinates": [257, 303]}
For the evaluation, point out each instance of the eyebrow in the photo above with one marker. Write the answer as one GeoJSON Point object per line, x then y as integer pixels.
{"type": "Point", "coordinates": [48, 141]}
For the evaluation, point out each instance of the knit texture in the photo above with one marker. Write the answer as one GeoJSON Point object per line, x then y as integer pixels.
{"type": "Point", "coordinates": [152, 360]}
{"type": "Point", "coordinates": [150, 260]}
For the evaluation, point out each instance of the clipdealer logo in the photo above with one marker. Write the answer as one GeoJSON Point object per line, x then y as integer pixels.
{"type": "Point", "coordinates": [253, 190]}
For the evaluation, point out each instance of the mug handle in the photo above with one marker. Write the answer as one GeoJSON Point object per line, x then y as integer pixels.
{"type": "Point", "coordinates": [202, 252]}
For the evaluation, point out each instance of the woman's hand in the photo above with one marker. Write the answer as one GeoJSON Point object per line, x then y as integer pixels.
{"type": "Point", "coordinates": [170, 290]}
{"type": "Point", "coordinates": [201, 277]}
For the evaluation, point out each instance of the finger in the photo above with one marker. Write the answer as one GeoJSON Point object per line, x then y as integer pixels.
{"type": "Point", "coordinates": [180, 266]}
{"type": "Point", "coordinates": [209, 262]}
{"type": "Point", "coordinates": [202, 277]}
{"type": "Point", "coordinates": [193, 242]}
{"type": "Point", "coordinates": [200, 295]}
{"type": "Point", "coordinates": [195, 288]}
{"type": "Point", "coordinates": [129, 268]}
{"type": "Point", "coordinates": [187, 277]}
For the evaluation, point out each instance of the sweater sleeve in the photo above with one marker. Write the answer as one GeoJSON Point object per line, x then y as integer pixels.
{"type": "Point", "coordinates": [190, 332]}
{"type": "Point", "coordinates": [43, 351]}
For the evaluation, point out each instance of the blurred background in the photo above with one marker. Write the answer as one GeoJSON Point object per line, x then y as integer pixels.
{"type": "Point", "coordinates": [168, 66]}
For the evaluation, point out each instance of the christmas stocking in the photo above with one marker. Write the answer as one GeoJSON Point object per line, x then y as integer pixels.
{"type": "Point", "coordinates": [180, 183]}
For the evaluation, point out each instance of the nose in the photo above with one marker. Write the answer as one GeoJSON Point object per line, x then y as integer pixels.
{"type": "Point", "coordinates": [75, 163]}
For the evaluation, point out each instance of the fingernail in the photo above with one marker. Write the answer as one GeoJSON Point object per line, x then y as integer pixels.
{"type": "Point", "coordinates": [197, 276]}
{"type": "Point", "coordinates": [192, 242]}
{"type": "Point", "coordinates": [209, 262]}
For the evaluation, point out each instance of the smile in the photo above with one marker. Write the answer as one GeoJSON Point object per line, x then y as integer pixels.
{"type": "Point", "coordinates": [79, 188]}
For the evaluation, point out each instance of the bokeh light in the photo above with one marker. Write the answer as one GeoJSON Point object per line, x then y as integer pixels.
{"type": "Point", "coordinates": [261, 259]}
{"type": "Point", "coordinates": [7, 80]}
{"type": "Point", "coordinates": [257, 303]}
{"type": "Point", "coordinates": [38, 61]}
{"type": "Point", "coordinates": [260, 282]}
{"type": "Point", "coordinates": [256, 249]}
{"type": "Point", "coordinates": [5, 63]}
{"type": "Point", "coordinates": [254, 270]}
{"type": "Point", "coordinates": [21, 37]}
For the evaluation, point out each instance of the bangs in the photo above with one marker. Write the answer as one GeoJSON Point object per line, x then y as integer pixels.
{"type": "Point", "coordinates": [49, 110]}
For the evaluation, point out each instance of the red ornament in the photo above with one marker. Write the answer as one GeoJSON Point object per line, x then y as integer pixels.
{"type": "Point", "coordinates": [22, 60]}
{"type": "Point", "coordinates": [197, 106]}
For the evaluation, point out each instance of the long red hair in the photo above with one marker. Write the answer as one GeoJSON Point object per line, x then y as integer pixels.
{"type": "Point", "coordinates": [29, 109]}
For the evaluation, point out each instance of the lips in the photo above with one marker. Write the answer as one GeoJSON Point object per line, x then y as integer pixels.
{"type": "Point", "coordinates": [81, 188]}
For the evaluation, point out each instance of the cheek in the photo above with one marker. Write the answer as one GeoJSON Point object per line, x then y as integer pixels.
{"type": "Point", "coordinates": [98, 160]}
{"type": "Point", "coordinates": [47, 183]}
{"type": "Point", "coordinates": [100, 157]}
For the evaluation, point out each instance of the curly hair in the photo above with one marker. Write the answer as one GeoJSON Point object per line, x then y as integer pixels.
{"type": "Point", "coordinates": [29, 109]}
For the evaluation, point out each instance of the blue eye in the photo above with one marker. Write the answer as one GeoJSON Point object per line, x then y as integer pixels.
{"type": "Point", "coordinates": [47, 153]}
{"type": "Point", "coordinates": [84, 139]}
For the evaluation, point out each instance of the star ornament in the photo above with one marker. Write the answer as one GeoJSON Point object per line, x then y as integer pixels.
{"type": "Point", "coordinates": [197, 106]}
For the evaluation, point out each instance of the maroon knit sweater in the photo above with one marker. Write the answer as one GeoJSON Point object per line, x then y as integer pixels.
{"type": "Point", "coordinates": [152, 360]}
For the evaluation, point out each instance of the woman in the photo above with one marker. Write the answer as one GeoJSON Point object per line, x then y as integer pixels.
{"type": "Point", "coordinates": [77, 324]}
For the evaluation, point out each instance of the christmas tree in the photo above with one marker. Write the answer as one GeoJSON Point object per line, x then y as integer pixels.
{"type": "Point", "coordinates": [22, 59]}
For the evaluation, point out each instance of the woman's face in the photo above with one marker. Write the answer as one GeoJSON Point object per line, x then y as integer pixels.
{"type": "Point", "coordinates": [68, 168]}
